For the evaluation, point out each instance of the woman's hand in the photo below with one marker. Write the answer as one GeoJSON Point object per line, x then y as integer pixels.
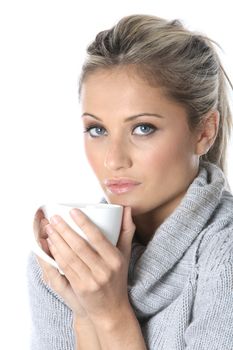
{"type": "Point", "coordinates": [51, 275]}
{"type": "Point", "coordinates": [98, 277]}
{"type": "Point", "coordinates": [39, 225]}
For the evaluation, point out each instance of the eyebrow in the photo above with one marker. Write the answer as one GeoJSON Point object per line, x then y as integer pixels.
{"type": "Point", "coordinates": [127, 119]}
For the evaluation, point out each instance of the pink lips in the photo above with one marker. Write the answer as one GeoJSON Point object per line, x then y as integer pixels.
{"type": "Point", "coordinates": [119, 186]}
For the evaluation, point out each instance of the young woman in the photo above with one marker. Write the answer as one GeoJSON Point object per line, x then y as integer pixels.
{"type": "Point", "coordinates": [156, 122]}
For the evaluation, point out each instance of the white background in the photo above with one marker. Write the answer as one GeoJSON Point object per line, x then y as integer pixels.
{"type": "Point", "coordinates": [42, 46]}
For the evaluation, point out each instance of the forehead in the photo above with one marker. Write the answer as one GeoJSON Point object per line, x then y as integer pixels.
{"type": "Point", "coordinates": [123, 91]}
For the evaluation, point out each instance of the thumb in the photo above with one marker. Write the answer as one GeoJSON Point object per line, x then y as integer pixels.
{"type": "Point", "coordinates": [127, 232]}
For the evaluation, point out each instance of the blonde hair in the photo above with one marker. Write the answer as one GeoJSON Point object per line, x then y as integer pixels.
{"type": "Point", "coordinates": [183, 62]}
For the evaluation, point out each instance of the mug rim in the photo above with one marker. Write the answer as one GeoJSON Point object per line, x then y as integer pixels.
{"type": "Point", "coordinates": [84, 205]}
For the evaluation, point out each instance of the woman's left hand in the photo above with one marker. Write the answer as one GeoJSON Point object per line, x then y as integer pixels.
{"type": "Point", "coordinates": [97, 276]}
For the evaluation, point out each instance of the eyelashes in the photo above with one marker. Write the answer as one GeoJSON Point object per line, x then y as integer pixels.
{"type": "Point", "coordinates": [89, 130]}
{"type": "Point", "coordinates": [143, 129]}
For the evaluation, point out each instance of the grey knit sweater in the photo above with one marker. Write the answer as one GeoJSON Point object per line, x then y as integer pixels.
{"type": "Point", "coordinates": [180, 284]}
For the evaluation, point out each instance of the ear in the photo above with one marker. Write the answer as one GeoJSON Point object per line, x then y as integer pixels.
{"type": "Point", "coordinates": [207, 133]}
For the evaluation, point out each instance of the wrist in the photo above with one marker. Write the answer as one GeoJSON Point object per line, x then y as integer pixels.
{"type": "Point", "coordinates": [113, 321]}
{"type": "Point", "coordinates": [81, 322]}
{"type": "Point", "coordinates": [120, 331]}
{"type": "Point", "coordinates": [85, 333]}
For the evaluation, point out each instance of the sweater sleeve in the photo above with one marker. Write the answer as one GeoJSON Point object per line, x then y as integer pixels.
{"type": "Point", "coordinates": [51, 318]}
{"type": "Point", "coordinates": [211, 326]}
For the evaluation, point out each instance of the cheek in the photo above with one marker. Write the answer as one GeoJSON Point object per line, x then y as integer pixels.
{"type": "Point", "coordinates": [177, 146]}
{"type": "Point", "coordinates": [167, 153]}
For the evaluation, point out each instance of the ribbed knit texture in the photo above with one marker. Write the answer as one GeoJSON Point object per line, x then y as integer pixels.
{"type": "Point", "coordinates": [180, 284]}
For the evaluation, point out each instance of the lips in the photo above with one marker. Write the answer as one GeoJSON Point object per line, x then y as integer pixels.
{"type": "Point", "coordinates": [119, 186]}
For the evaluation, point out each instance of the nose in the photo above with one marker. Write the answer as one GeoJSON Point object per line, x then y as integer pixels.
{"type": "Point", "coordinates": [117, 156]}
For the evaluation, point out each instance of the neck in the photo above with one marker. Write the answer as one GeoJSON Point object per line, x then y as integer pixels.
{"type": "Point", "coordinates": [147, 223]}
{"type": "Point", "coordinates": [146, 226]}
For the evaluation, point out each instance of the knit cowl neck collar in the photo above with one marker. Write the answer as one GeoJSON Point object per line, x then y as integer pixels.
{"type": "Point", "coordinates": [175, 235]}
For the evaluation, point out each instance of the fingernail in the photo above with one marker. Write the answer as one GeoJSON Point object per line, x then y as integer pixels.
{"type": "Point", "coordinates": [55, 219]}
{"type": "Point", "coordinates": [76, 212]}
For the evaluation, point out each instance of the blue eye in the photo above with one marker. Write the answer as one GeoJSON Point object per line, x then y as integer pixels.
{"type": "Point", "coordinates": [144, 129]}
{"type": "Point", "coordinates": [95, 131]}
{"type": "Point", "coordinates": [139, 130]}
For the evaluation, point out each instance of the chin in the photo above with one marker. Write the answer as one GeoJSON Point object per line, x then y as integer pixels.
{"type": "Point", "coordinates": [126, 202]}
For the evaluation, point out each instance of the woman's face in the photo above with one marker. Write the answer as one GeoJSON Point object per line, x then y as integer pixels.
{"type": "Point", "coordinates": [137, 142]}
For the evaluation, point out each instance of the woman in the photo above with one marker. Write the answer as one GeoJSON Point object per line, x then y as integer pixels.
{"type": "Point", "coordinates": [156, 123]}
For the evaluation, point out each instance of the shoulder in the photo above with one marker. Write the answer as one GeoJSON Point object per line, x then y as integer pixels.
{"type": "Point", "coordinates": [216, 240]}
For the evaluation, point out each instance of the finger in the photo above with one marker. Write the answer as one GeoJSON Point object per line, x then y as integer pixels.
{"type": "Point", "coordinates": [127, 232]}
{"type": "Point", "coordinates": [96, 238]}
{"type": "Point", "coordinates": [39, 215]}
{"type": "Point", "coordinates": [81, 247]}
{"type": "Point", "coordinates": [75, 270]}
{"type": "Point", "coordinates": [39, 225]}
{"type": "Point", "coordinates": [109, 253]}
{"type": "Point", "coordinates": [65, 257]}
{"type": "Point", "coordinates": [54, 279]}
{"type": "Point", "coordinates": [47, 270]}
{"type": "Point", "coordinates": [42, 237]}
{"type": "Point", "coordinates": [39, 222]}
{"type": "Point", "coordinates": [42, 228]}
{"type": "Point", "coordinates": [43, 243]}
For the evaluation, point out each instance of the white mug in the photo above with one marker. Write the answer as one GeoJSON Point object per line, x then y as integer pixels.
{"type": "Point", "coordinates": [107, 217]}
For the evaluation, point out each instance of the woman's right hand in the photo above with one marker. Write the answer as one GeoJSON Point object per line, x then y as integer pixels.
{"type": "Point", "coordinates": [51, 276]}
